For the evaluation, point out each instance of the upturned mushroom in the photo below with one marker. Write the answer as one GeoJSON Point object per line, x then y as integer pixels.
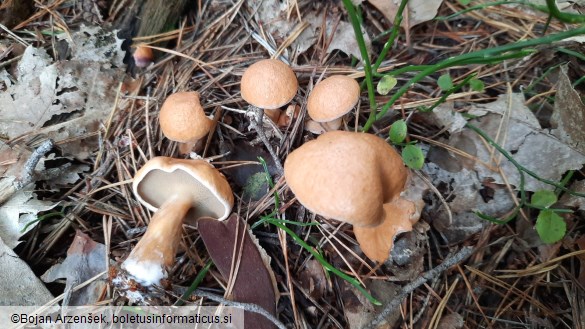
{"type": "Point", "coordinates": [183, 120]}
{"type": "Point", "coordinates": [175, 189]}
{"type": "Point", "coordinates": [269, 84]}
{"type": "Point", "coordinates": [355, 178]}
{"type": "Point", "coordinates": [329, 101]}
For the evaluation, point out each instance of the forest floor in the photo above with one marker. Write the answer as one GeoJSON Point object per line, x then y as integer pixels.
{"type": "Point", "coordinates": [491, 98]}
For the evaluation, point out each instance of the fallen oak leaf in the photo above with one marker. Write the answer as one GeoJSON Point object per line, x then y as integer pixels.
{"type": "Point", "coordinates": [18, 283]}
{"type": "Point", "coordinates": [419, 11]}
{"type": "Point", "coordinates": [85, 259]}
{"type": "Point", "coordinates": [252, 280]}
{"type": "Point", "coordinates": [569, 113]}
{"type": "Point", "coordinates": [66, 101]}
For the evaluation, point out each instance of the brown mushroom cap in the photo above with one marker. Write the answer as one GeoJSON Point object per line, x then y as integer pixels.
{"type": "Point", "coordinates": [269, 84]}
{"type": "Point", "coordinates": [143, 56]}
{"type": "Point", "coordinates": [162, 177]}
{"type": "Point", "coordinates": [182, 118]}
{"type": "Point", "coordinates": [347, 176]}
{"type": "Point", "coordinates": [332, 98]}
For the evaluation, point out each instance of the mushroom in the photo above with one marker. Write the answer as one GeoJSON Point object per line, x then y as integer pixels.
{"type": "Point", "coordinates": [330, 100]}
{"type": "Point", "coordinates": [355, 178]}
{"type": "Point", "coordinates": [143, 56]}
{"type": "Point", "coordinates": [269, 84]}
{"type": "Point", "coordinates": [183, 120]}
{"type": "Point", "coordinates": [175, 189]}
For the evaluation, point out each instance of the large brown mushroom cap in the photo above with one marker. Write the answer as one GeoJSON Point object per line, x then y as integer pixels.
{"type": "Point", "coordinates": [161, 177]}
{"type": "Point", "coordinates": [347, 176]}
{"type": "Point", "coordinates": [182, 118]}
{"type": "Point", "coordinates": [357, 178]}
{"type": "Point", "coordinates": [269, 84]}
{"type": "Point", "coordinates": [332, 98]}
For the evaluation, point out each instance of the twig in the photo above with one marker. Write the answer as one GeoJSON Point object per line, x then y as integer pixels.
{"type": "Point", "coordinates": [406, 290]}
{"type": "Point", "coordinates": [26, 177]}
{"type": "Point", "coordinates": [256, 124]}
{"type": "Point", "coordinates": [245, 306]}
{"type": "Point", "coordinates": [30, 165]}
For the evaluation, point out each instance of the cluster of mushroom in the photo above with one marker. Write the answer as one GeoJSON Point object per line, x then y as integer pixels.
{"type": "Point", "coordinates": [270, 84]}
{"type": "Point", "coordinates": [352, 177]}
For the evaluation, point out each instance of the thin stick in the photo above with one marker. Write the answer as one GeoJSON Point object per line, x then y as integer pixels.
{"type": "Point", "coordinates": [256, 124]}
{"type": "Point", "coordinates": [406, 290]}
{"type": "Point", "coordinates": [28, 172]}
{"type": "Point", "coordinates": [245, 306]}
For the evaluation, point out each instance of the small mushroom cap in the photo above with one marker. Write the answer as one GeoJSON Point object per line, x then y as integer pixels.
{"type": "Point", "coordinates": [346, 176]}
{"type": "Point", "coordinates": [163, 177]}
{"type": "Point", "coordinates": [143, 56]}
{"type": "Point", "coordinates": [269, 84]}
{"type": "Point", "coordinates": [182, 118]}
{"type": "Point", "coordinates": [332, 98]}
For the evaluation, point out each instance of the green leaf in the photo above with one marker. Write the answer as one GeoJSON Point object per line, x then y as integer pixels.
{"type": "Point", "coordinates": [445, 82]}
{"type": "Point", "coordinates": [386, 84]}
{"type": "Point", "coordinates": [398, 131]}
{"type": "Point", "coordinates": [413, 157]}
{"type": "Point", "coordinates": [543, 198]}
{"type": "Point", "coordinates": [550, 226]}
{"type": "Point", "coordinates": [476, 85]}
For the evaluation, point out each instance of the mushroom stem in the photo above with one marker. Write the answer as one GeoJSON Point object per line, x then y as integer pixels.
{"type": "Point", "coordinates": [333, 124]}
{"type": "Point", "coordinates": [188, 147]}
{"type": "Point", "coordinates": [273, 114]}
{"type": "Point", "coordinates": [155, 252]}
{"type": "Point", "coordinates": [377, 241]}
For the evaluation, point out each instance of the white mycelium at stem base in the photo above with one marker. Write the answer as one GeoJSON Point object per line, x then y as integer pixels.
{"type": "Point", "coordinates": [175, 189]}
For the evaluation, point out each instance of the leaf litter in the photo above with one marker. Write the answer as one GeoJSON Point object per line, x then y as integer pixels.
{"type": "Point", "coordinates": [85, 260]}
{"type": "Point", "coordinates": [273, 15]}
{"type": "Point", "coordinates": [70, 102]}
{"type": "Point", "coordinates": [457, 175]}
{"type": "Point", "coordinates": [467, 178]}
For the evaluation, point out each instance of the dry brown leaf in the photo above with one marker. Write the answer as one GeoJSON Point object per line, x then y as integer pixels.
{"type": "Point", "coordinates": [67, 100]}
{"type": "Point", "coordinates": [343, 35]}
{"type": "Point", "coordinates": [18, 283]}
{"type": "Point", "coordinates": [272, 16]}
{"type": "Point", "coordinates": [419, 11]}
{"type": "Point", "coordinates": [230, 242]}
{"type": "Point", "coordinates": [523, 138]}
{"type": "Point", "coordinates": [19, 212]}
{"type": "Point", "coordinates": [569, 200]}
{"type": "Point", "coordinates": [451, 321]}
{"type": "Point", "coordinates": [359, 311]}
{"type": "Point", "coordinates": [569, 113]}
{"type": "Point", "coordinates": [471, 186]}
{"type": "Point", "coordinates": [313, 279]}
{"type": "Point", "coordinates": [85, 259]}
